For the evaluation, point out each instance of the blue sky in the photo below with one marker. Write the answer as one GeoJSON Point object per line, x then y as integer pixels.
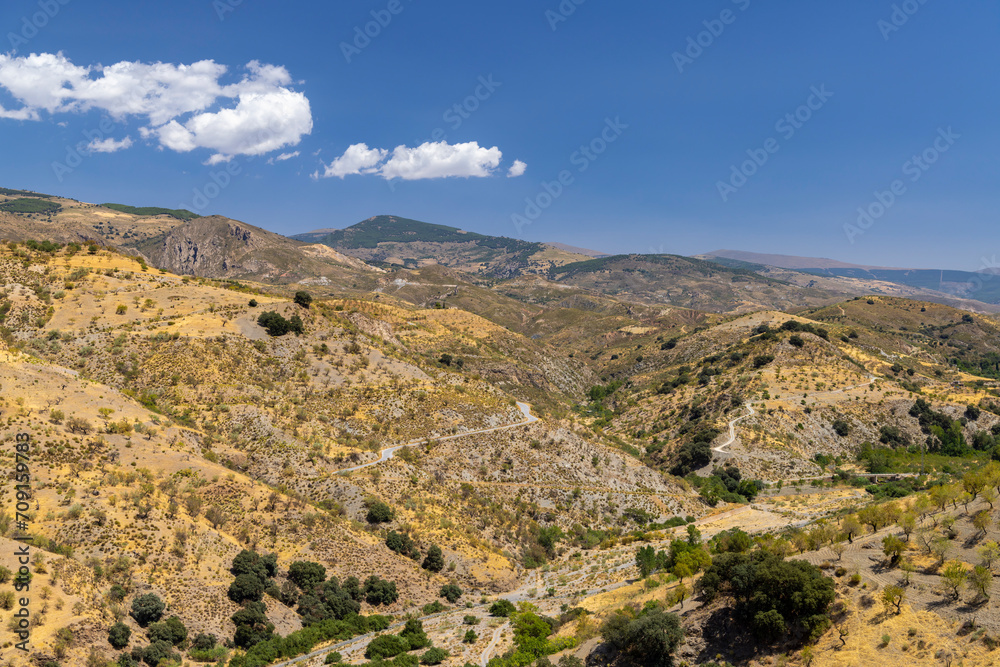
{"type": "Point", "coordinates": [664, 131]}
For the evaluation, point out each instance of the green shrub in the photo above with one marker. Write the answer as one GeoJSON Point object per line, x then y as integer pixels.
{"type": "Point", "coordinates": [433, 608]}
{"type": "Point", "coordinates": [502, 608]}
{"type": "Point", "coordinates": [434, 560]}
{"type": "Point", "coordinates": [303, 299]}
{"type": "Point", "coordinates": [379, 512]}
{"type": "Point", "coordinates": [276, 325]}
{"type": "Point", "coordinates": [386, 646]}
{"type": "Point", "coordinates": [147, 609]}
{"type": "Point", "coordinates": [434, 656]}
{"type": "Point", "coordinates": [171, 630]}
{"type": "Point", "coordinates": [451, 593]}
{"type": "Point", "coordinates": [119, 635]}
{"type": "Point", "coordinates": [306, 574]}
{"type": "Point", "coordinates": [650, 637]}
{"type": "Point", "coordinates": [378, 591]}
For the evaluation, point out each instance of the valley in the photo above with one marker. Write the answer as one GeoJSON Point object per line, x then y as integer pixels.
{"type": "Point", "coordinates": [301, 448]}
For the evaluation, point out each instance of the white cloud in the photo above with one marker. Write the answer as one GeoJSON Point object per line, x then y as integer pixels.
{"type": "Point", "coordinates": [109, 145]}
{"type": "Point", "coordinates": [357, 159]}
{"type": "Point", "coordinates": [428, 160]}
{"type": "Point", "coordinates": [282, 157]}
{"type": "Point", "coordinates": [260, 123]}
{"type": "Point", "coordinates": [178, 102]}
{"type": "Point", "coordinates": [516, 169]}
{"type": "Point", "coordinates": [441, 160]}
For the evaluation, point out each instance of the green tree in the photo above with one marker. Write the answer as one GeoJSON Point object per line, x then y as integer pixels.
{"type": "Point", "coordinates": [147, 609]}
{"type": "Point", "coordinates": [119, 635]}
{"type": "Point", "coordinates": [379, 591]}
{"type": "Point", "coordinates": [982, 521]}
{"type": "Point", "coordinates": [451, 593]}
{"type": "Point", "coordinates": [434, 560]}
{"type": "Point", "coordinates": [413, 633]}
{"type": "Point", "coordinates": [306, 574]}
{"type": "Point", "coordinates": [650, 637]}
{"type": "Point", "coordinates": [981, 579]}
{"type": "Point", "coordinates": [502, 608]}
{"type": "Point", "coordinates": [892, 597]}
{"type": "Point", "coordinates": [158, 652]}
{"type": "Point", "coordinates": [386, 646]}
{"type": "Point", "coordinates": [434, 656]}
{"type": "Point", "coordinates": [246, 587]}
{"type": "Point", "coordinates": [990, 553]}
{"type": "Point", "coordinates": [907, 523]}
{"type": "Point", "coordinates": [893, 547]}
{"type": "Point", "coordinates": [851, 527]}
{"type": "Point", "coordinates": [379, 512]}
{"type": "Point", "coordinates": [303, 299]}
{"type": "Point", "coordinates": [953, 576]}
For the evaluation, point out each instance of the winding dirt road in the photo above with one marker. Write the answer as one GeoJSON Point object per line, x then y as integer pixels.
{"type": "Point", "coordinates": [721, 449]}
{"type": "Point", "coordinates": [390, 452]}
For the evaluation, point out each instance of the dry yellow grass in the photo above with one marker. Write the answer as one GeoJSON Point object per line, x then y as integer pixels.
{"type": "Point", "coordinates": [933, 642]}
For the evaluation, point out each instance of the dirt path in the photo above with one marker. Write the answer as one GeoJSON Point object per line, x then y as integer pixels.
{"type": "Point", "coordinates": [485, 657]}
{"type": "Point", "coordinates": [721, 449]}
{"type": "Point", "coordinates": [390, 452]}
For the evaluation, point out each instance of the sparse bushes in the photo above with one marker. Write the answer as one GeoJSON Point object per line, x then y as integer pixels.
{"type": "Point", "coordinates": [433, 608]}
{"type": "Point", "coordinates": [78, 425]}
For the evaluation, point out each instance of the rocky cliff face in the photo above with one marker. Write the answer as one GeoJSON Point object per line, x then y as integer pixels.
{"type": "Point", "coordinates": [217, 247]}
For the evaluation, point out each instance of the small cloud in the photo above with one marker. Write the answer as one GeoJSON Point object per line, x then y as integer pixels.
{"type": "Point", "coordinates": [109, 145]}
{"type": "Point", "coordinates": [283, 157]}
{"type": "Point", "coordinates": [357, 159]}
{"type": "Point", "coordinates": [517, 169]}
{"type": "Point", "coordinates": [426, 161]}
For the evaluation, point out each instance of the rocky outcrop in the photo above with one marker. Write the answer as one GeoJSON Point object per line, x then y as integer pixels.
{"type": "Point", "coordinates": [217, 247]}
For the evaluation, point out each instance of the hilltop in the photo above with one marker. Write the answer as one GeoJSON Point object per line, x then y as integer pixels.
{"type": "Point", "coordinates": [941, 285]}
{"type": "Point", "coordinates": [394, 241]}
